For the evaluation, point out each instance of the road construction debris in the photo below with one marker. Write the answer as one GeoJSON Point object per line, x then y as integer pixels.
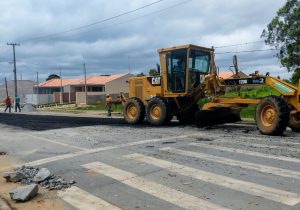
{"type": "Point", "coordinates": [13, 176]}
{"type": "Point", "coordinates": [29, 108]}
{"type": "Point", "coordinates": [24, 193]}
{"type": "Point", "coordinates": [27, 175]}
{"type": "Point", "coordinates": [42, 175]}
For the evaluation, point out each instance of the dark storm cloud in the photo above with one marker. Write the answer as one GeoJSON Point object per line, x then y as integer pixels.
{"type": "Point", "coordinates": [110, 47]}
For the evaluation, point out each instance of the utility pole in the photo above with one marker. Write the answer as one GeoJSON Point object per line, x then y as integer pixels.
{"type": "Point", "coordinates": [22, 94]}
{"type": "Point", "coordinates": [61, 88]}
{"type": "Point", "coordinates": [6, 87]}
{"type": "Point", "coordinates": [15, 66]}
{"type": "Point", "coordinates": [129, 68]}
{"type": "Point", "coordinates": [37, 88]}
{"type": "Point", "coordinates": [85, 86]}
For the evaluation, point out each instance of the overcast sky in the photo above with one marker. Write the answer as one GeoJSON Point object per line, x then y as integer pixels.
{"type": "Point", "coordinates": [130, 40]}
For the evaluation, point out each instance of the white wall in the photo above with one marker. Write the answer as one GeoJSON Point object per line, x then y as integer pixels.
{"type": "Point", "coordinates": [118, 85]}
{"type": "Point", "coordinates": [39, 99]}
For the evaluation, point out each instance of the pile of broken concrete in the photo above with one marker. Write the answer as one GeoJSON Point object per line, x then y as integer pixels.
{"type": "Point", "coordinates": [30, 177]}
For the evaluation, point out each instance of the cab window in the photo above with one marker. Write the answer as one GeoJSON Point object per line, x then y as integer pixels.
{"type": "Point", "coordinates": [176, 69]}
{"type": "Point", "coordinates": [199, 62]}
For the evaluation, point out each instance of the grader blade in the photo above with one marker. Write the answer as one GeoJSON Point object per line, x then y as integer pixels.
{"type": "Point", "coordinates": [211, 117]}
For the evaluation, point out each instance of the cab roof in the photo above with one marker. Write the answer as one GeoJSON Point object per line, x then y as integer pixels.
{"type": "Point", "coordinates": [185, 47]}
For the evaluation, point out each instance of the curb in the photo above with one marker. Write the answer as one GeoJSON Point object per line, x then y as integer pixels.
{"type": "Point", "coordinates": [4, 205]}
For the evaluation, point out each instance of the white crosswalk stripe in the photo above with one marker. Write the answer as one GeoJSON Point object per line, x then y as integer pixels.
{"type": "Point", "coordinates": [75, 197]}
{"type": "Point", "coordinates": [251, 188]}
{"type": "Point", "coordinates": [232, 162]}
{"type": "Point", "coordinates": [160, 191]}
{"type": "Point", "coordinates": [245, 152]}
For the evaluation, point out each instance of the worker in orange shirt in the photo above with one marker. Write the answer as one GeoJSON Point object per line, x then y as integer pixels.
{"type": "Point", "coordinates": [8, 102]}
{"type": "Point", "coordinates": [109, 102]}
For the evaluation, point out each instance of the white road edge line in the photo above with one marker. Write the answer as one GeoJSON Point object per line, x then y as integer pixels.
{"type": "Point", "coordinates": [245, 152]}
{"type": "Point", "coordinates": [242, 164]}
{"type": "Point", "coordinates": [83, 200]}
{"type": "Point", "coordinates": [157, 190]}
{"type": "Point", "coordinates": [251, 188]}
{"type": "Point", "coordinates": [54, 142]}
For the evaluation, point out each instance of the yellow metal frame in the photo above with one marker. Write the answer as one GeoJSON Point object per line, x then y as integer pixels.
{"type": "Point", "coordinates": [229, 102]}
{"type": "Point", "coordinates": [162, 55]}
{"type": "Point", "coordinates": [213, 86]}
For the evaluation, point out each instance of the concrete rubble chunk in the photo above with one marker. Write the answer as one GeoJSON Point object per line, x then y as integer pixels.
{"type": "Point", "coordinates": [29, 108]}
{"type": "Point", "coordinates": [42, 175]}
{"type": "Point", "coordinates": [24, 193]}
{"type": "Point", "coordinates": [13, 176]}
{"type": "Point", "coordinates": [43, 178]}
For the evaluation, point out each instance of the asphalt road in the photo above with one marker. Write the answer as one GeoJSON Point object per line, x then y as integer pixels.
{"type": "Point", "coordinates": [117, 166]}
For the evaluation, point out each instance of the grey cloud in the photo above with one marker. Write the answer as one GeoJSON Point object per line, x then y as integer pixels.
{"type": "Point", "coordinates": [106, 47]}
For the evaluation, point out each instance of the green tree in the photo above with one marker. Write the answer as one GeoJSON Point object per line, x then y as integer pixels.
{"type": "Point", "coordinates": [283, 32]}
{"type": "Point", "coordinates": [52, 76]}
{"type": "Point", "coordinates": [296, 76]}
{"type": "Point", "coordinates": [140, 74]}
{"type": "Point", "coordinates": [153, 72]}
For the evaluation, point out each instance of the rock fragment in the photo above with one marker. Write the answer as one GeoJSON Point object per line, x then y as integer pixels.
{"type": "Point", "coordinates": [13, 176]}
{"type": "Point", "coordinates": [42, 175]}
{"type": "Point", "coordinates": [24, 193]}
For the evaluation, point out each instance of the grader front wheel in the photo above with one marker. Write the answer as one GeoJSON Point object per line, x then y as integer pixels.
{"type": "Point", "coordinates": [134, 111]}
{"type": "Point", "coordinates": [156, 112]}
{"type": "Point", "coordinates": [272, 115]}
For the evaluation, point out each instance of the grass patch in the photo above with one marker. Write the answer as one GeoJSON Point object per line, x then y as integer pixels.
{"type": "Point", "coordinates": [100, 107]}
{"type": "Point", "coordinates": [72, 108]}
{"type": "Point", "coordinates": [254, 93]}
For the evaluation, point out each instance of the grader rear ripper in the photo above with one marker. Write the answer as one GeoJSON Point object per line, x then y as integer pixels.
{"type": "Point", "coordinates": [188, 74]}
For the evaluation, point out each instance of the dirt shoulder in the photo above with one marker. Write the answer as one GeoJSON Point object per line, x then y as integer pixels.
{"type": "Point", "coordinates": [44, 200]}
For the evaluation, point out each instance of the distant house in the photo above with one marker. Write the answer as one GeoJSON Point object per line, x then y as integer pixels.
{"type": "Point", "coordinates": [108, 84]}
{"type": "Point", "coordinates": [74, 89]}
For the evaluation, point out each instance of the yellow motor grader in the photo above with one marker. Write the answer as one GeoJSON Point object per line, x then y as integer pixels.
{"type": "Point", "coordinates": [188, 73]}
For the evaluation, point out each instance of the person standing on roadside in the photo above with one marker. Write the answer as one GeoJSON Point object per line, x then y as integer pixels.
{"type": "Point", "coordinates": [109, 102]}
{"type": "Point", "coordinates": [17, 104]}
{"type": "Point", "coordinates": [8, 103]}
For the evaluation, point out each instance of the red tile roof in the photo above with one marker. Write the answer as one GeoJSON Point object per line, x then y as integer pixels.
{"type": "Point", "coordinates": [225, 74]}
{"type": "Point", "coordinates": [229, 75]}
{"type": "Point", "coordinates": [91, 80]}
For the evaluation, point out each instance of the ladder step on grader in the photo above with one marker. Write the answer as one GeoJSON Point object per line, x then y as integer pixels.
{"type": "Point", "coordinates": [188, 73]}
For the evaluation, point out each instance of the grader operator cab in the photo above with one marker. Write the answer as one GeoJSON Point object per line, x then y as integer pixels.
{"type": "Point", "coordinates": [188, 74]}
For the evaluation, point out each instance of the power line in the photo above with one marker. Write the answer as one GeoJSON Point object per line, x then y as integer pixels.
{"type": "Point", "coordinates": [15, 66]}
{"type": "Point", "coordinates": [139, 17]}
{"type": "Point", "coordinates": [246, 51]}
{"type": "Point", "coordinates": [91, 24]}
{"type": "Point", "coordinates": [239, 44]}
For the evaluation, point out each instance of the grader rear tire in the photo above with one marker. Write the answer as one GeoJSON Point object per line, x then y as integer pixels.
{"type": "Point", "coordinates": [134, 111]}
{"type": "Point", "coordinates": [294, 123]}
{"type": "Point", "coordinates": [157, 112]}
{"type": "Point", "coordinates": [272, 116]}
